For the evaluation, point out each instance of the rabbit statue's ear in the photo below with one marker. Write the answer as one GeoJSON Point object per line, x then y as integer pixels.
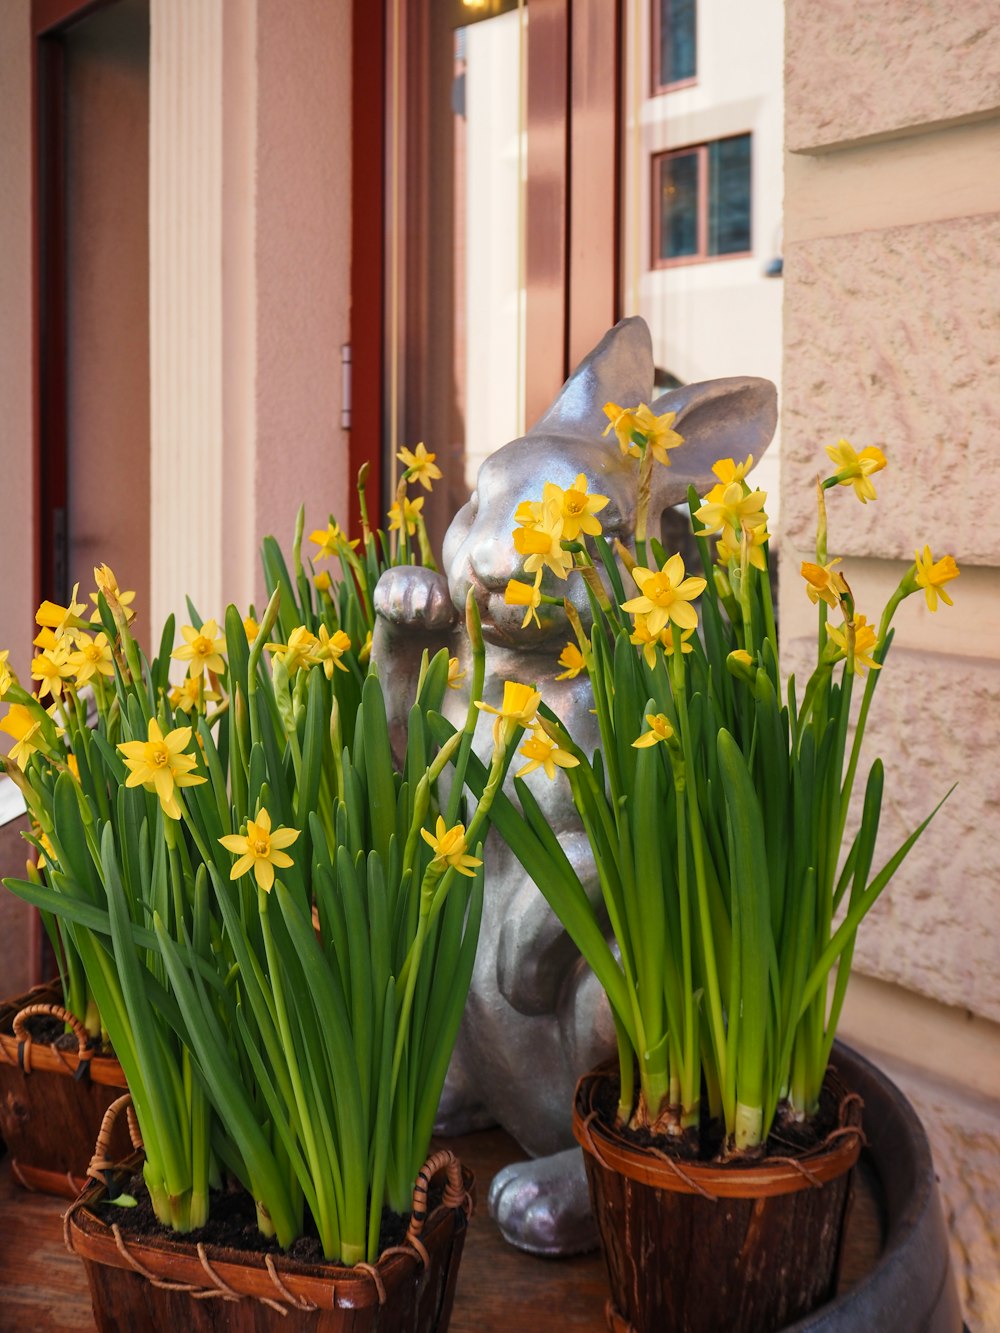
{"type": "Point", "coordinates": [727, 418]}
{"type": "Point", "coordinates": [619, 369]}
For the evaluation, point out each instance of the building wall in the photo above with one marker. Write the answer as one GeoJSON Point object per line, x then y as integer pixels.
{"type": "Point", "coordinates": [721, 316]}
{"type": "Point", "coordinates": [250, 302]}
{"type": "Point", "coordinates": [892, 294]}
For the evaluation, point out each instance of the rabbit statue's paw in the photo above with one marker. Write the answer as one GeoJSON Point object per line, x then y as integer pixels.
{"type": "Point", "coordinates": [409, 596]}
{"type": "Point", "coordinates": [543, 1205]}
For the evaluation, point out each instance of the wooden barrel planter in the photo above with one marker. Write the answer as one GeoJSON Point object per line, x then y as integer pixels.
{"type": "Point", "coordinates": [155, 1283]}
{"type": "Point", "coordinates": [912, 1284]}
{"type": "Point", "coordinates": [695, 1247]}
{"type": "Point", "coordinates": [666, 1277]}
{"type": "Point", "coordinates": [52, 1099]}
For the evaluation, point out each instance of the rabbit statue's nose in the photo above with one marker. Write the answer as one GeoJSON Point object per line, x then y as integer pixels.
{"type": "Point", "coordinates": [494, 562]}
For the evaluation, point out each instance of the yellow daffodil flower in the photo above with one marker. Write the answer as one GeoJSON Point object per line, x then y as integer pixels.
{"type": "Point", "coordinates": [542, 548]}
{"type": "Point", "coordinates": [517, 593]}
{"type": "Point", "coordinates": [420, 466]}
{"type": "Point", "coordinates": [659, 730]}
{"type": "Point", "coordinates": [250, 628]}
{"type": "Point", "coordinates": [46, 640]}
{"type": "Point", "coordinates": [824, 583]}
{"type": "Point", "coordinates": [410, 514]}
{"type": "Point", "coordinates": [932, 576]}
{"type": "Point", "coordinates": [657, 430]}
{"type": "Point", "coordinates": [365, 651]}
{"type": "Point", "coordinates": [299, 651]}
{"type": "Point", "coordinates": [529, 513]}
{"type": "Point", "coordinates": [575, 508]}
{"type": "Point", "coordinates": [203, 648]}
{"type": "Point", "coordinates": [61, 619]}
{"type": "Point", "coordinates": [855, 469]}
{"type": "Point", "coordinates": [541, 751]}
{"type": "Point", "coordinates": [666, 595]}
{"type": "Point", "coordinates": [727, 470]}
{"type": "Point", "coordinates": [186, 696]}
{"type": "Point", "coordinates": [7, 677]}
{"type": "Point", "coordinates": [863, 636]}
{"type": "Point", "coordinates": [331, 649]}
{"type": "Point", "coordinates": [322, 581]}
{"type": "Point", "coordinates": [159, 764]}
{"type": "Point", "coordinates": [573, 660]}
{"type": "Point", "coordinates": [734, 515]}
{"type": "Point", "coordinates": [92, 657]}
{"type": "Point", "coordinates": [23, 727]}
{"type": "Point", "coordinates": [623, 422]}
{"type": "Point", "coordinates": [455, 675]}
{"type": "Point", "coordinates": [518, 709]}
{"type": "Point", "coordinates": [330, 540]}
{"type": "Point", "coordinates": [52, 670]}
{"type": "Point", "coordinates": [450, 848]}
{"type": "Point", "coordinates": [73, 764]}
{"type": "Point", "coordinates": [261, 850]}
{"type": "Point", "coordinates": [124, 599]}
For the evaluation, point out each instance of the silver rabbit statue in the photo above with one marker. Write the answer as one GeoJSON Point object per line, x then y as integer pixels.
{"type": "Point", "coordinates": [536, 1018]}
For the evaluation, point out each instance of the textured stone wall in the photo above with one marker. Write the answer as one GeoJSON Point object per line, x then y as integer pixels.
{"type": "Point", "coordinates": [892, 337]}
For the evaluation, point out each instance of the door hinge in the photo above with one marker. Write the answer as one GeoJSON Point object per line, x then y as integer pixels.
{"type": "Point", "coordinates": [345, 386]}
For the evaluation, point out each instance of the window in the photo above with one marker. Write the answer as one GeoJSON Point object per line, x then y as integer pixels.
{"type": "Point", "coordinates": [675, 45]}
{"type": "Point", "coordinates": [701, 202]}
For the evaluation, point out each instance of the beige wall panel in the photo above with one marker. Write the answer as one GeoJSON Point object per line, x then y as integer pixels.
{"type": "Point", "coordinates": [16, 524]}
{"type": "Point", "coordinates": [890, 338]}
{"type": "Point", "coordinates": [935, 721]}
{"type": "Point", "coordinates": [856, 71]}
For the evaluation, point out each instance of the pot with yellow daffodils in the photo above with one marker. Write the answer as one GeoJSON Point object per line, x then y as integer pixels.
{"type": "Point", "coordinates": [58, 1074]}
{"type": "Point", "coordinates": [278, 926]}
{"type": "Point", "coordinates": [734, 873]}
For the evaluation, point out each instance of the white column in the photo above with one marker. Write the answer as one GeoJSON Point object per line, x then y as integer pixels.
{"type": "Point", "coordinates": [185, 308]}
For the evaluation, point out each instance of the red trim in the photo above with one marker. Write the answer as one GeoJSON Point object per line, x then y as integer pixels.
{"type": "Point", "coordinates": [368, 110]}
{"type": "Point", "coordinates": [547, 198]}
{"type": "Point", "coordinates": [594, 173]}
{"type": "Point", "coordinates": [54, 16]}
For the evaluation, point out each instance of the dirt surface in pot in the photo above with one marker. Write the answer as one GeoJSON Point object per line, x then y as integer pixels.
{"type": "Point", "coordinates": [788, 1138]}
{"type": "Point", "coordinates": [49, 1031]}
{"type": "Point", "coordinates": [232, 1224]}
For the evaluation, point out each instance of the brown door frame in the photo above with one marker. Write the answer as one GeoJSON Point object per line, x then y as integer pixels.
{"type": "Point", "coordinates": [573, 199]}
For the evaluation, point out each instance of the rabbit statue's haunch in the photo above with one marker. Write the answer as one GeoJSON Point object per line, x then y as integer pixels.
{"type": "Point", "coordinates": [536, 1018]}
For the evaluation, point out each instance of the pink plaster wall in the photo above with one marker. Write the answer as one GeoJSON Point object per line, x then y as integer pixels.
{"type": "Point", "coordinates": [302, 260]}
{"type": "Point", "coordinates": [16, 518]}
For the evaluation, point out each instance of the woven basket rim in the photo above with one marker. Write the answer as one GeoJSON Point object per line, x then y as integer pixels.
{"type": "Point", "coordinates": [735, 1180]}
{"type": "Point", "coordinates": [327, 1285]}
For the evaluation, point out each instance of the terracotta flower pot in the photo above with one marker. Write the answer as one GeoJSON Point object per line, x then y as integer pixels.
{"type": "Point", "coordinates": [51, 1100]}
{"type": "Point", "coordinates": [696, 1248]}
{"type": "Point", "coordinates": [161, 1284]}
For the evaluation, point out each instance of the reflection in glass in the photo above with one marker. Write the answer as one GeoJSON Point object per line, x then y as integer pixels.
{"type": "Point", "coordinates": [729, 196]}
{"type": "Point", "coordinates": [679, 205]}
{"type": "Point", "coordinates": [678, 41]}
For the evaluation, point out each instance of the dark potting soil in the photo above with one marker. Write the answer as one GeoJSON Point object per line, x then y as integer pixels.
{"type": "Point", "coordinates": [232, 1224]}
{"type": "Point", "coordinates": [788, 1138]}
{"type": "Point", "coordinates": [49, 1031]}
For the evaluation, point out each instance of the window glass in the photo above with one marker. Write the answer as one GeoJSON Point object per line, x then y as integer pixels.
{"type": "Point", "coordinates": [679, 205]}
{"type": "Point", "coordinates": [729, 195]}
{"type": "Point", "coordinates": [677, 40]}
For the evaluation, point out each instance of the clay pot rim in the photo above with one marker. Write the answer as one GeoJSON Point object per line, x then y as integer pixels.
{"type": "Point", "coordinates": [732, 1180]}
{"type": "Point", "coordinates": [104, 1069]}
{"type": "Point", "coordinates": [323, 1285]}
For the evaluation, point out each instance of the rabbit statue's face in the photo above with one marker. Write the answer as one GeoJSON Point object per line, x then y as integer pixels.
{"type": "Point", "coordinates": [479, 546]}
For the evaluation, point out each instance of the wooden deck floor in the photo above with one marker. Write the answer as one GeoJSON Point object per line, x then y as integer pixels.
{"type": "Point", "coordinates": [500, 1290]}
